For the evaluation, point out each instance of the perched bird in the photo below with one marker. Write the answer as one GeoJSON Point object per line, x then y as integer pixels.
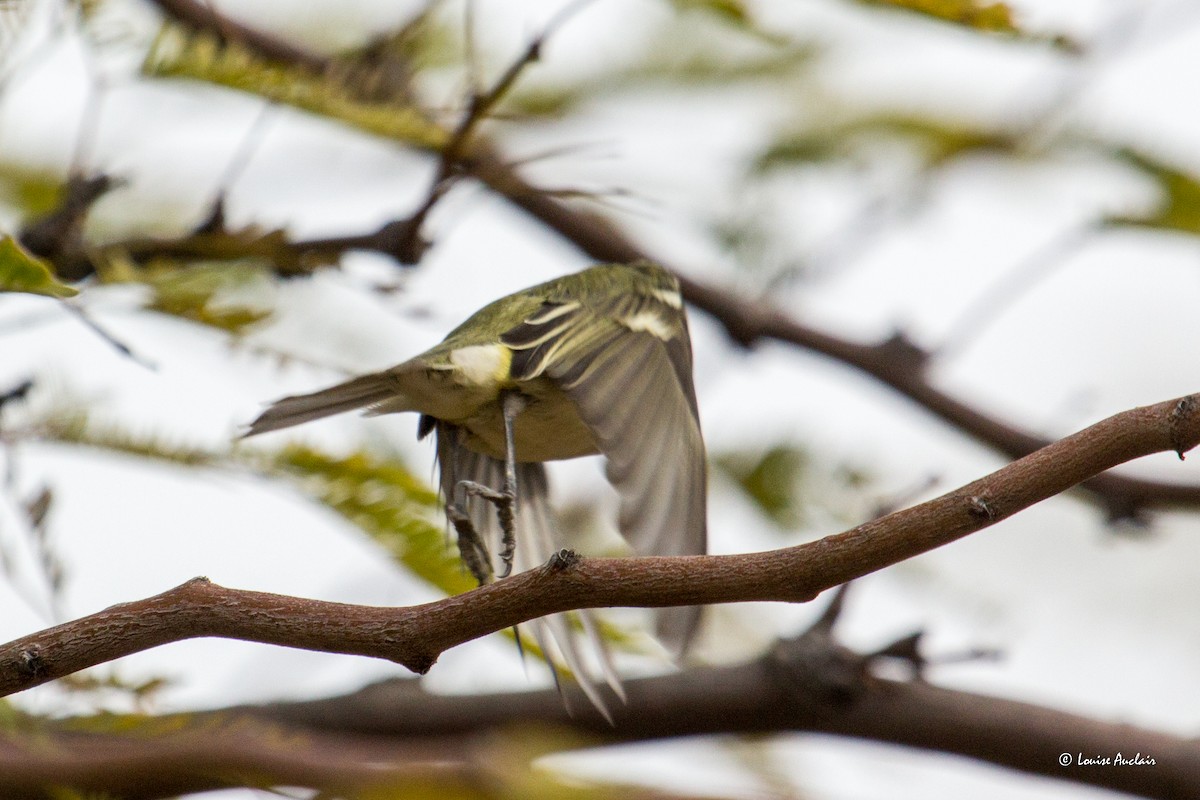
{"type": "Point", "coordinates": [599, 361]}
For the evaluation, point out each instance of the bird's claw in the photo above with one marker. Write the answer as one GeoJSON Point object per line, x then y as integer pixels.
{"type": "Point", "coordinates": [506, 507]}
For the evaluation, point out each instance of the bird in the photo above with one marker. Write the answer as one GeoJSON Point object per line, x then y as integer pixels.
{"type": "Point", "coordinates": [594, 362]}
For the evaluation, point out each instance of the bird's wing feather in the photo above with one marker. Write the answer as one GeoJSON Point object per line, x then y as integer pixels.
{"type": "Point", "coordinates": [537, 540]}
{"type": "Point", "coordinates": [627, 367]}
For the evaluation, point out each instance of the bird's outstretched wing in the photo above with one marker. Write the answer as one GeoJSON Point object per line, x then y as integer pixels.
{"type": "Point", "coordinates": [625, 360]}
{"type": "Point", "coordinates": [556, 635]}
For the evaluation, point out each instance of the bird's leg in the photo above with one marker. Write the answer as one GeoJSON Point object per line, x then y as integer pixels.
{"type": "Point", "coordinates": [505, 501]}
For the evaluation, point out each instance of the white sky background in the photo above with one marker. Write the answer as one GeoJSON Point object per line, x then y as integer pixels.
{"type": "Point", "coordinates": [1088, 622]}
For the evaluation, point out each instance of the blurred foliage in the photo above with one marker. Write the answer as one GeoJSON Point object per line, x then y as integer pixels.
{"type": "Point", "coordinates": [980, 16]}
{"type": "Point", "coordinates": [385, 68]}
{"type": "Point", "coordinates": [12, 719]}
{"type": "Point", "coordinates": [771, 480]}
{"type": "Point", "coordinates": [937, 140]}
{"type": "Point", "coordinates": [791, 491]}
{"type": "Point", "coordinates": [33, 192]}
{"type": "Point", "coordinates": [180, 52]}
{"type": "Point", "coordinates": [194, 292]}
{"type": "Point", "coordinates": [20, 271]}
{"type": "Point", "coordinates": [72, 426]}
{"type": "Point", "coordinates": [732, 10]}
{"type": "Point", "coordinates": [680, 54]}
{"type": "Point", "coordinates": [93, 681]}
{"type": "Point", "coordinates": [1180, 207]}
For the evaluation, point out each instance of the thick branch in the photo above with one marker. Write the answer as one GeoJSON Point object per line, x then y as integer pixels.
{"type": "Point", "coordinates": [812, 690]}
{"type": "Point", "coordinates": [152, 758]}
{"type": "Point", "coordinates": [416, 635]}
{"type": "Point", "coordinates": [809, 683]}
{"type": "Point", "coordinates": [153, 761]}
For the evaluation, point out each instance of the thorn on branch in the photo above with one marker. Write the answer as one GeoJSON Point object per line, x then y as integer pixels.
{"type": "Point", "coordinates": [215, 221]}
{"type": "Point", "coordinates": [563, 560]}
{"type": "Point", "coordinates": [30, 664]}
{"type": "Point", "coordinates": [973, 654]}
{"type": "Point", "coordinates": [1179, 417]}
{"type": "Point", "coordinates": [980, 508]}
{"type": "Point", "coordinates": [907, 649]}
{"type": "Point", "coordinates": [816, 662]}
{"type": "Point", "coordinates": [829, 617]}
{"type": "Point", "coordinates": [813, 663]}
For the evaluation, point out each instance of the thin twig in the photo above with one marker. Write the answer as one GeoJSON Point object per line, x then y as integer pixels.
{"type": "Point", "coordinates": [479, 107]}
{"type": "Point", "coordinates": [112, 341]}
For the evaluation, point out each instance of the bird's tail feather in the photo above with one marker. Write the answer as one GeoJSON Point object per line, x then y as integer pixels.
{"type": "Point", "coordinates": [565, 648]}
{"type": "Point", "coordinates": [361, 392]}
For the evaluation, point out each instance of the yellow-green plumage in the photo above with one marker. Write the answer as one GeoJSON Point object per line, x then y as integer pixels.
{"type": "Point", "coordinates": [602, 363]}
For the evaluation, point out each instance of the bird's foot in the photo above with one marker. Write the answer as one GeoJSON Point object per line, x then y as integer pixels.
{"type": "Point", "coordinates": [506, 512]}
{"type": "Point", "coordinates": [471, 547]}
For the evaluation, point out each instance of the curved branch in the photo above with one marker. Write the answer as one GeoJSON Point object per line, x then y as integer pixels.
{"type": "Point", "coordinates": [394, 731]}
{"type": "Point", "coordinates": [414, 636]}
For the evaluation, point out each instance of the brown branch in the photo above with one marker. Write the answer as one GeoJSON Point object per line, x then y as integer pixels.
{"type": "Point", "coordinates": [799, 686]}
{"type": "Point", "coordinates": [156, 757]}
{"type": "Point", "coordinates": [416, 635]}
{"type": "Point", "coordinates": [154, 760]}
{"type": "Point", "coordinates": [809, 683]}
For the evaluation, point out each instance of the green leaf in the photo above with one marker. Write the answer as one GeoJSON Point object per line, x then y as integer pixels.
{"type": "Point", "coordinates": [71, 426]}
{"type": "Point", "coordinates": [938, 140]}
{"type": "Point", "coordinates": [1180, 206]}
{"type": "Point", "coordinates": [679, 55]}
{"type": "Point", "coordinates": [732, 11]}
{"type": "Point", "coordinates": [981, 16]}
{"type": "Point", "coordinates": [193, 292]}
{"type": "Point", "coordinates": [182, 53]}
{"type": "Point", "coordinates": [21, 271]}
{"type": "Point", "coordinates": [772, 481]}
{"type": "Point", "coordinates": [34, 192]}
